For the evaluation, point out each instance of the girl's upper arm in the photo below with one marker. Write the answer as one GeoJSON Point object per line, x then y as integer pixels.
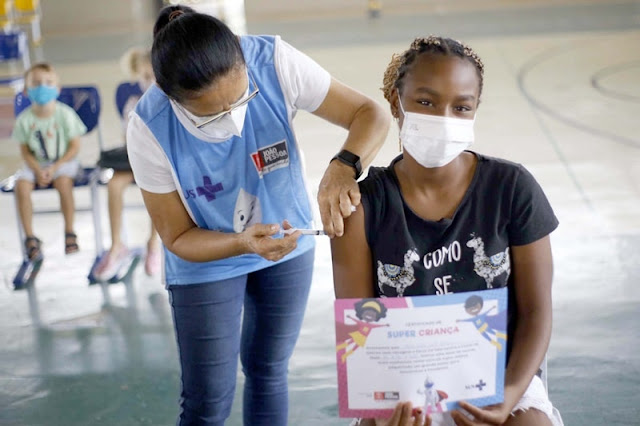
{"type": "Point", "coordinates": [168, 215]}
{"type": "Point", "coordinates": [351, 258]}
{"type": "Point", "coordinates": [533, 271]}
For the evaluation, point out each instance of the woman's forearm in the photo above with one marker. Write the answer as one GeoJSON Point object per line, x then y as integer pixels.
{"type": "Point", "coordinates": [182, 237]}
{"type": "Point", "coordinates": [201, 245]}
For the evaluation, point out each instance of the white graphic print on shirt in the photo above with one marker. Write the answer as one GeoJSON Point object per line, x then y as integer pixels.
{"type": "Point", "coordinates": [247, 212]}
{"type": "Point", "coordinates": [488, 267]}
{"type": "Point", "coordinates": [398, 277]}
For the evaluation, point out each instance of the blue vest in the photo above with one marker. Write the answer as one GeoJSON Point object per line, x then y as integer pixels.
{"type": "Point", "coordinates": [228, 186]}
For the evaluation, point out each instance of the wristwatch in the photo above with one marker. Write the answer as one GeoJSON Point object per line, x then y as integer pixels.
{"type": "Point", "coordinates": [350, 159]}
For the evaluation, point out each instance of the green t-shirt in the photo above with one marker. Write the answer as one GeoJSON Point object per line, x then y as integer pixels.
{"type": "Point", "coordinates": [48, 138]}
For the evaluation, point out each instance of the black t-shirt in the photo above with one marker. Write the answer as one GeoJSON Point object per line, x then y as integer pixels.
{"type": "Point", "coordinates": [504, 206]}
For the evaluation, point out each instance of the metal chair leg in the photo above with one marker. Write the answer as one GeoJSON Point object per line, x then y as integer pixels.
{"type": "Point", "coordinates": [34, 306]}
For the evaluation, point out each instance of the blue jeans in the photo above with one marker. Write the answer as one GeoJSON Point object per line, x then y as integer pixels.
{"type": "Point", "coordinates": [207, 319]}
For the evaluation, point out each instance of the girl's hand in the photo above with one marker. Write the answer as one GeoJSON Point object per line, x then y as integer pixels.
{"type": "Point", "coordinates": [491, 415]}
{"type": "Point", "coordinates": [405, 415]}
{"type": "Point", "coordinates": [258, 239]}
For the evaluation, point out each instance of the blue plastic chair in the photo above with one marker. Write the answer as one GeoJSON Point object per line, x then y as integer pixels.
{"type": "Point", "coordinates": [85, 100]}
{"type": "Point", "coordinates": [124, 92]}
{"type": "Point", "coordinates": [13, 47]}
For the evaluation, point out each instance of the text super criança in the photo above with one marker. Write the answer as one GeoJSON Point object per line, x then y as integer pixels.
{"type": "Point", "coordinates": [395, 334]}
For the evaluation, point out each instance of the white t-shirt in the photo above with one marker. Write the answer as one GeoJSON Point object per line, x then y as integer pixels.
{"type": "Point", "coordinates": [304, 83]}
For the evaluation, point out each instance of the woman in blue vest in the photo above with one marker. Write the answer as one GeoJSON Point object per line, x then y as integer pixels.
{"type": "Point", "coordinates": [211, 146]}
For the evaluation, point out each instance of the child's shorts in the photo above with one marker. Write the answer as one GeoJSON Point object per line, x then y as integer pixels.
{"type": "Point", "coordinates": [534, 397]}
{"type": "Point", "coordinates": [70, 169]}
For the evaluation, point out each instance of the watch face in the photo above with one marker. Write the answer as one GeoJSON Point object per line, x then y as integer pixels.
{"type": "Point", "coordinates": [350, 159]}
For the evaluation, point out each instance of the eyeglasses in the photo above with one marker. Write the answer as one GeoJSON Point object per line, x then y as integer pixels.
{"type": "Point", "coordinates": [221, 114]}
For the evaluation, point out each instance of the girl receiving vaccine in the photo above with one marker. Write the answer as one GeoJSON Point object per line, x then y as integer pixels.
{"type": "Point", "coordinates": [488, 215]}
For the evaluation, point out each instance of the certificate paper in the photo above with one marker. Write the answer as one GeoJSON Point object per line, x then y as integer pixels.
{"type": "Point", "coordinates": [430, 350]}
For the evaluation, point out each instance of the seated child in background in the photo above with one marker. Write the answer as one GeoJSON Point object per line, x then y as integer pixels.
{"type": "Point", "coordinates": [136, 63]}
{"type": "Point", "coordinates": [49, 135]}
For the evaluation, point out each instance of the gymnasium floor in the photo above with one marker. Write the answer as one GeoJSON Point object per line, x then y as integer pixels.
{"type": "Point", "coordinates": [561, 96]}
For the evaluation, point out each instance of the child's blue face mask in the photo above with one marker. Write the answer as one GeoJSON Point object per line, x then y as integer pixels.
{"type": "Point", "coordinates": [42, 94]}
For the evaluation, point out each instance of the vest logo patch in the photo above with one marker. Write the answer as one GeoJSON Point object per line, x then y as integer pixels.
{"type": "Point", "coordinates": [208, 189]}
{"type": "Point", "coordinates": [270, 158]}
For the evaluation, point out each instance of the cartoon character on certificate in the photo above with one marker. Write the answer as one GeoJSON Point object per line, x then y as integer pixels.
{"type": "Point", "coordinates": [432, 397]}
{"type": "Point", "coordinates": [486, 324]}
{"type": "Point", "coordinates": [355, 335]}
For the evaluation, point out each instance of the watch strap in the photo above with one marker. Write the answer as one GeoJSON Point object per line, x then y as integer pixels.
{"type": "Point", "coordinates": [350, 159]}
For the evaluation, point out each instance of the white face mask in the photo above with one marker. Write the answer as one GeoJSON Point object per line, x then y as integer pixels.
{"type": "Point", "coordinates": [224, 128]}
{"type": "Point", "coordinates": [432, 140]}
{"type": "Point", "coordinates": [232, 123]}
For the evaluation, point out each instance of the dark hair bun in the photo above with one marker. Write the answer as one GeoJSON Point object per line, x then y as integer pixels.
{"type": "Point", "coordinates": [191, 51]}
{"type": "Point", "coordinates": [168, 14]}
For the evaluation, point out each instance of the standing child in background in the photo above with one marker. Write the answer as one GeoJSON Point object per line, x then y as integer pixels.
{"type": "Point", "coordinates": [136, 63]}
{"type": "Point", "coordinates": [49, 135]}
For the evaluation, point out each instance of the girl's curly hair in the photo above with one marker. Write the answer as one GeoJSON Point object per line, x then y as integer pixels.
{"type": "Point", "coordinates": [400, 63]}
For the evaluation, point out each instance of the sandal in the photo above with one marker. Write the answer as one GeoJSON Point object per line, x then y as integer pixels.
{"type": "Point", "coordinates": [33, 244]}
{"type": "Point", "coordinates": [111, 263]}
{"type": "Point", "coordinates": [70, 243]}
